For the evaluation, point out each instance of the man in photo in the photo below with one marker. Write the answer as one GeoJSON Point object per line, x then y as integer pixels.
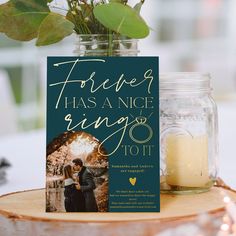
{"type": "Point", "coordinates": [87, 185]}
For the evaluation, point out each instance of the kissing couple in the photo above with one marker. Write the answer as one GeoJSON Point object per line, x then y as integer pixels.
{"type": "Point", "coordinates": [79, 185]}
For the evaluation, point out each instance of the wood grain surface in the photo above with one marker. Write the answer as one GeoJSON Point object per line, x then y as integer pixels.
{"type": "Point", "coordinates": [23, 214]}
{"type": "Point", "coordinates": [30, 205]}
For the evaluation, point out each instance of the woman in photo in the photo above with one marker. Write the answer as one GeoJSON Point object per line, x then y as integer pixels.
{"type": "Point", "coordinates": [74, 199]}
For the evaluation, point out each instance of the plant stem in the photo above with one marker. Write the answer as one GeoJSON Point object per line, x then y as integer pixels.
{"type": "Point", "coordinates": [81, 26]}
{"type": "Point", "coordinates": [77, 26]}
{"type": "Point", "coordinates": [110, 46]}
{"type": "Point", "coordinates": [83, 23]}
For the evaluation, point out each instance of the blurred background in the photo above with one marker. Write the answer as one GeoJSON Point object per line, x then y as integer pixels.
{"type": "Point", "coordinates": [188, 35]}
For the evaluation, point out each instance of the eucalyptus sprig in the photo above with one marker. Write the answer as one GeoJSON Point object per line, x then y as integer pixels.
{"type": "Point", "coordinates": [25, 20]}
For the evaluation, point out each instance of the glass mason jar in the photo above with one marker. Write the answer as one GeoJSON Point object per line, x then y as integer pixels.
{"type": "Point", "coordinates": [188, 133]}
{"type": "Point", "coordinates": [105, 45]}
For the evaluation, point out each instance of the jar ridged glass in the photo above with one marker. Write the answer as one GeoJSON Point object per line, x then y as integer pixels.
{"type": "Point", "coordinates": [105, 45]}
{"type": "Point", "coordinates": [188, 133]}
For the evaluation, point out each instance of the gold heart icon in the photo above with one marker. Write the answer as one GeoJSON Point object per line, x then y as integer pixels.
{"type": "Point", "coordinates": [132, 181]}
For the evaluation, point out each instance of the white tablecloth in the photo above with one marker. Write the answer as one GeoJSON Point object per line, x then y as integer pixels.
{"type": "Point", "coordinates": [27, 154]}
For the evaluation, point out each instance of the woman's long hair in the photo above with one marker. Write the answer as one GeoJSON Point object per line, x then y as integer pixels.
{"type": "Point", "coordinates": [67, 172]}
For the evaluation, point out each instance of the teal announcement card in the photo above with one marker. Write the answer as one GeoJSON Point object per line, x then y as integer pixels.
{"type": "Point", "coordinates": [102, 134]}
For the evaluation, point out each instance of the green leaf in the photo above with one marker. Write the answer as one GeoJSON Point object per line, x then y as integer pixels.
{"type": "Point", "coordinates": [119, 1]}
{"type": "Point", "coordinates": [122, 19]}
{"type": "Point", "coordinates": [20, 19]}
{"type": "Point", "coordinates": [53, 29]}
{"type": "Point", "coordinates": [24, 27]}
{"type": "Point", "coordinates": [5, 11]}
{"type": "Point", "coordinates": [30, 5]}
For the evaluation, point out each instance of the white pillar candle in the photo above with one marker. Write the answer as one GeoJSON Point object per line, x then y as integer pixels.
{"type": "Point", "coordinates": [187, 160]}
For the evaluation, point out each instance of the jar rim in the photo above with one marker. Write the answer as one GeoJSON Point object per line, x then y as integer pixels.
{"type": "Point", "coordinates": [183, 76]}
{"type": "Point", "coordinates": [185, 83]}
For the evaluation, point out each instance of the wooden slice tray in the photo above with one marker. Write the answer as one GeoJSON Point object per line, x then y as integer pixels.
{"type": "Point", "coordinates": [24, 213]}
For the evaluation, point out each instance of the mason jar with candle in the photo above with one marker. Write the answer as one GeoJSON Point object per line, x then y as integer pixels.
{"type": "Point", "coordinates": [188, 133]}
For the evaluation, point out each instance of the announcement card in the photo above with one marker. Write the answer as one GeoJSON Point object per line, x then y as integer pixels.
{"type": "Point", "coordinates": [102, 134]}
